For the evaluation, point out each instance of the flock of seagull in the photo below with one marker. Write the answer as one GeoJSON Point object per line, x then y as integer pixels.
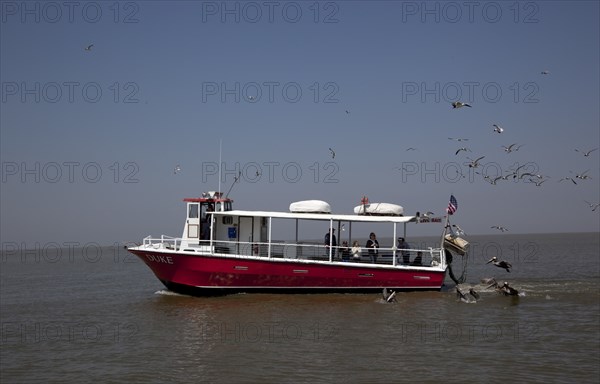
{"type": "Point", "coordinates": [514, 174]}
{"type": "Point", "coordinates": [518, 174]}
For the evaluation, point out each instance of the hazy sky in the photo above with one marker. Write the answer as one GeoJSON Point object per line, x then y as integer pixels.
{"type": "Point", "coordinates": [90, 138]}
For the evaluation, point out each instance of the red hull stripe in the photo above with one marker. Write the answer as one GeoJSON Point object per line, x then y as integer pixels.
{"type": "Point", "coordinates": [230, 272]}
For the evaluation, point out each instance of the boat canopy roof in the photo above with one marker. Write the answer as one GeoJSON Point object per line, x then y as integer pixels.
{"type": "Point", "coordinates": [319, 216]}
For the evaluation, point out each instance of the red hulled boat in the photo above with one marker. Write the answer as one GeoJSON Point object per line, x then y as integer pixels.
{"type": "Point", "coordinates": [223, 250]}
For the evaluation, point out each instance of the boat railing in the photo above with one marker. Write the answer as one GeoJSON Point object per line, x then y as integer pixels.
{"type": "Point", "coordinates": [164, 242]}
{"type": "Point", "coordinates": [430, 257]}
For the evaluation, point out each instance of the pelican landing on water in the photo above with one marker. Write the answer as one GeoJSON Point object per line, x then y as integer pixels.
{"type": "Point", "coordinates": [389, 296]}
{"type": "Point", "coordinates": [502, 264]}
{"type": "Point", "coordinates": [507, 290]}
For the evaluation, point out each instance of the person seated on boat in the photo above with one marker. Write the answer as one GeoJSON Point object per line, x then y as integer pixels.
{"type": "Point", "coordinates": [330, 240]}
{"type": "Point", "coordinates": [356, 251]}
{"type": "Point", "coordinates": [404, 250]}
{"type": "Point", "coordinates": [345, 251]}
{"type": "Point", "coordinates": [372, 246]}
{"type": "Point", "coordinates": [418, 261]}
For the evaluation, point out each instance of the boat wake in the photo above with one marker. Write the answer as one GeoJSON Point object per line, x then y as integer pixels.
{"type": "Point", "coordinates": [166, 292]}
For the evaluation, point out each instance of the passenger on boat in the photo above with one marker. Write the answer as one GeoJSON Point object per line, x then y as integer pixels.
{"type": "Point", "coordinates": [330, 240]}
{"type": "Point", "coordinates": [356, 251]}
{"type": "Point", "coordinates": [205, 224]}
{"type": "Point", "coordinates": [372, 245]}
{"type": "Point", "coordinates": [404, 250]}
{"type": "Point", "coordinates": [345, 251]}
{"type": "Point", "coordinates": [418, 261]}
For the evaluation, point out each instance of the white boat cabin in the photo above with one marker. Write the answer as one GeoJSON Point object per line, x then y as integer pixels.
{"type": "Point", "coordinates": [213, 227]}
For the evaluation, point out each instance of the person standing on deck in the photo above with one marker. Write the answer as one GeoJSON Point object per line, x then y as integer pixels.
{"type": "Point", "coordinates": [404, 249]}
{"type": "Point", "coordinates": [330, 241]}
{"type": "Point", "coordinates": [356, 251]}
{"type": "Point", "coordinates": [372, 247]}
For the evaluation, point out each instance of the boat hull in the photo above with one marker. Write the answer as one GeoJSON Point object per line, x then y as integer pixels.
{"type": "Point", "coordinates": [209, 275]}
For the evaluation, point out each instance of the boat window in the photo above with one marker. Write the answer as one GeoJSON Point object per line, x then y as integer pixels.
{"type": "Point", "coordinates": [193, 211]}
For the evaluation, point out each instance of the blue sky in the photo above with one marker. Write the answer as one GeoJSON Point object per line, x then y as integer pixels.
{"type": "Point", "coordinates": [89, 139]}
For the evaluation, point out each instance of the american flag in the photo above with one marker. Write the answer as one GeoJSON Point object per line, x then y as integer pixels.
{"type": "Point", "coordinates": [452, 205]}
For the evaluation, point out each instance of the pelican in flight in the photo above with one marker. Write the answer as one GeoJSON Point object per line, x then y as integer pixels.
{"type": "Point", "coordinates": [501, 264]}
{"type": "Point", "coordinates": [459, 104]}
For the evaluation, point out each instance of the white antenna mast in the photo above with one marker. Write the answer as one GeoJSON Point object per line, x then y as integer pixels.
{"type": "Point", "coordinates": [220, 145]}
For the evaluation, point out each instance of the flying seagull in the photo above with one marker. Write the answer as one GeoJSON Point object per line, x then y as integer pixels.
{"type": "Point", "coordinates": [462, 149]}
{"type": "Point", "coordinates": [583, 175]}
{"type": "Point", "coordinates": [511, 148]}
{"type": "Point", "coordinates": [501, 264]}
{"type": "Point", "coordinates": [459, 104]}
{"type": "Point", "coordinates": [411, 149]}
{"type": "Point", "coordinates": [177, 169]}
{"type": "Point", "coordinates": [536, 182]}
{"type": "Point", "coordinates": [332, 153]}
{"type": "Point", "coordinates": [458, 231]}
{"type": "Point", "coordinates": [457, 139]}
{"type": "Point", "coordinates": [497, 128]}
{"type": "Point", "coordinates": [568, 178]}
{"type": "Point", "coordinates": [89, 47]}
{"type": "Point", "coordinates": [545, 72]}
{"type": "Point", "coordinates": [500, 228]}
{"type": "Point", "coordinates": [586, 153]}
{"type": "Point", "coordinates": [592, 205]}
{"type": "Point", "coordinates": [474, 163]}
{"type": "Point", "coordinates": [489, 179]}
